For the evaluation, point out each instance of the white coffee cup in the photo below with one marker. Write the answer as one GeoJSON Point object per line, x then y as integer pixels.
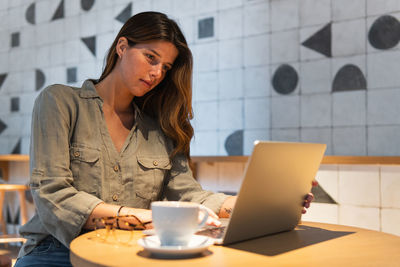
{"type": "Point", "coordinates": [176, 222]}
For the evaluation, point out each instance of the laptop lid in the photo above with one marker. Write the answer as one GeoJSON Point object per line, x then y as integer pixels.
{"type": "Point", "coordinates": [276, 180]}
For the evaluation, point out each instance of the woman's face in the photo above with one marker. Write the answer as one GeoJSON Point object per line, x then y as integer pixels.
{"type": "Point", "coordinates": [143, 66]}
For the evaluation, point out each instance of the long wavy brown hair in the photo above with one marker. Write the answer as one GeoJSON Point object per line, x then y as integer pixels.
{"type": "Point", "coordinates": [170, 102]}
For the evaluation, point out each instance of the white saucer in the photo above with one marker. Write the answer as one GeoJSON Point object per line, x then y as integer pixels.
{"type": "Point", "coordinates": [196, 245]}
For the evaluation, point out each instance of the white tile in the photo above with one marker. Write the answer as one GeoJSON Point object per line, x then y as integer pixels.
{"type": "Point", "coordinates": [42, 34]}
{"type": "Point", "coordinates": [4, 145]}
{"type": "Point", "coordinates": [387, 61]}
{"type": "Point", "coordinates": [383, 140]}
{"type": "Point", "coordinates": [55, 75]}
{"type": "Point", "coordinates": [15, 18]}
{"type": "Point", "coordinates": [321, 135]}
{"type": "Point", "coordinates": [231, 23]}
{"type": "Point", "coordinates": [391, 221]}
{"type": "Point", "coordinates": [230, 54]}
{"type": "Point", "coordinates": [104, 20]}
{"type": "Point", "coordinates": [204, 6]}
{"type": "Point", "coordinates": [352, 38]}
{"type": "Point", "coordinates": [285, 111]}
{"type": "Point", "coordinates": [316, 76]}
{"type": "Point", "coordinates": [307, 53]}
{"type": "Point", "coordinates": [73, 8]}
{"type": "Point", "coordinates": [379, 7]}
{"type": "Point", "coordinates": [321, 212]}
{"type": "Point", "coordinates": [163, 6]}
{"type": "Point", "coordinates": [4, 105]}
{"type": "Point", "coordinates": [256, 113]}
{"type": "Point", "coordinates": [86, 70]}
{"type": "Point", "coordinates": [205, 56]}
{"type": "Point", "coordinates": [363, 217]}
{"type": "Point", "coordinates": [371, 20]}
{"type": "Point", "coordinates": [71, 51]}
{"type": "Point", "coordinates": [316, 110]}
{"type": "Point", "coordinates": [206, 87]}
{"type": "Point", "coordinates": [207, 175]}
{"type": "Point", "coordinates": [383, 107]}
{"type": "Point", "coordinates": [284, 46]}
{"type": "Point", "coordinates": [286, 135]}
{"type": "Point", "coordinates": [230, 176]}
{"type": "Point", "coordinates": [27, 37]}
{"type": "Point", "coordinates": [27, 119]}
{"type": "Point", "coordinates": [256, 81]}
{"type": "Point", "coordinates": [29, 81]}
{"type": "Point", "coordinates": [223, 135]}
{"type": "Point", "coordinates": [284, 14]}
{"type": "Point", "coordinates": [87, 27]}
{"type": "Point", "coordinates": [13, 83]}
{"type": "Point", "coordinates": [103, 44]}
{"type": "Point", "coordinates": [225, 4]}
{"type": "Point", "coordinates": [256, 50]}
{"type": "Point", "coordinates": [57, 54]}
{"type": "Point", "coordinates": [25, 144]}
{"type": "Point", "coordinates": [314, 12]}
{"type": "Point", "coordinates": [207, 115]}
{"type": "Point", "coordinates": [184, 7]}
{"type": "Point", "coordinates": [5, 41]}
{"type": "Point", "coordinates": [256, 18]}
{"type": "Point", "coordinates": [390, 186]}
{"type": "Point", "coordinates": [4, 63]}
{"type": "Point", "coordinates": [349, 141]}
{"type": "Point", "coordinates": [359, 185]}
{"type": "Point", "coordinates": [349, 108]}
{"type": "Point", "coordinates": [26, 102]}
{"type": "Point", "coordinates": [56, 31]}
{"type": "Point", "coordinates": [250, 136]}
{"type": "Point", "coordinates": [328, 178]}
{"type": "Point", "coordinates": [215, 36]}
{"type": "Point", "coordinates": [14, 127]}
{"type": "Point", "coordinates": [139, 6]}
{"type": "Point", "coordinates": [230, 84]}
{"type": "Point", "coordinates": [205, 143]}
{"type": "Point", "coordinates": [188, 27]}
{"type": "Point", "coordinates": [42, 56]}
{"type": "Point", "coordinates": [344, 9]}
{"type": "Point", "coordinates": [230, 115]}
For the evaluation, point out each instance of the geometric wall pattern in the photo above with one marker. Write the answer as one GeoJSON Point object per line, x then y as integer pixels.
{"type": "Point", "coordinates": [320, 71]}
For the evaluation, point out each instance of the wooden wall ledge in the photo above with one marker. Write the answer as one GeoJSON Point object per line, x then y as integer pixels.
{"type": "Point", "coordinates": [367, 160]}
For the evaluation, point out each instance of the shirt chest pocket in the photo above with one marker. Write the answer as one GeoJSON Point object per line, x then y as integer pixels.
{"type": "Point", "coordinates": [86, 169]}
{"type": "Point", "coordinates": [150, 175]}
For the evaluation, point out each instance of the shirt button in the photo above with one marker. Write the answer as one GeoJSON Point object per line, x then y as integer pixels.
{"type": "Point", "coordinates": [155, 163]}
{"type": "Point", "coordinates": [77, 154]}
{"type": "Point", "coordinates": [116, 168]}
{"type": "Point", "coordinates": [115, 197]}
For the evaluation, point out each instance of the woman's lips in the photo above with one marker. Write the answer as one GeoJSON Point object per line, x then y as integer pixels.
{"type": "Point", "coordinates": [147, 83]}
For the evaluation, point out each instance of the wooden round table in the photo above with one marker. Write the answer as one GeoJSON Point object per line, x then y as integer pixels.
{"type": "Point", "coordinates": [310, 244]}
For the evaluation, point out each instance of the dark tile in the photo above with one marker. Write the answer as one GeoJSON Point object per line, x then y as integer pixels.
{"type": "Point", "coordinates": [125, 14]}
{"type": "Point", "coordinates": [59, 14]}
{"type": "Point", "coordinates": [206, 28]}
{"type": "Point", "coordinates": [321, 41]}
{"type": "Point", "coordinates": [87, 4]}
{"type": "Point", "coordinates": [15, 39]}
{"type": "Point", "coordinates": [3, 126]}
{"type": "Point", "coordinates": [17, 148]}
{"type": "Point", "coordinates": [349, 78]}
{"type": "Point", "coordinates": [40, 79]}
{"type": "Point", "coordinates": [234, 143]}
{"type": "Point", "coordinates": [90, 42]}
{"type": "Point", "coordinates": [30, 14]}
{"type": "Point", "coordinates": [384, 32]}
{"type": "Point", "coordinates": [285, 79]}
{"type": "Point", "coordinates": [3, 76]}
{"type": "Point", "coordinates": [321, 196]}
{"type": "Point", "coordinates": [14, 104]}
{"type": "Point", "coordinates": [72, 75]}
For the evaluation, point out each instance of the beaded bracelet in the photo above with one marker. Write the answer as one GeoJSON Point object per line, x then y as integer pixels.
{"type": "Point", "coordinates": [117, 221]}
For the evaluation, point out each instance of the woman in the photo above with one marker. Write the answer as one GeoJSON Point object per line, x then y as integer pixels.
{"type": "Point", "coordinates": [116, 144]}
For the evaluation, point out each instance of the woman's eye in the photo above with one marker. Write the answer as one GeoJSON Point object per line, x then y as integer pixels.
{"type": "Point", "coordinates": [166, 68]}
{"type": "Point", "coordinates": [151, 57]}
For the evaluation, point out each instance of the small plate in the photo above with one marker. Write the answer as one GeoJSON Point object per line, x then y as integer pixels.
{"type": "Point", "coordinates": [196, 245]}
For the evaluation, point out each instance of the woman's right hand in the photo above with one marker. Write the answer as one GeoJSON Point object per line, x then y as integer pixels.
{"type": "Point", "coordinates": [143, 217]}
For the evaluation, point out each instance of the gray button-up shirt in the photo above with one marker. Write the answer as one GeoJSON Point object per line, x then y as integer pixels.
{"type": "Point", "coordinates": [75, 165]}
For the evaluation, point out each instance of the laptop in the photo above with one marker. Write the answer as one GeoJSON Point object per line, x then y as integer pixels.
{"type": "Point", "coordinates": [277, 177]}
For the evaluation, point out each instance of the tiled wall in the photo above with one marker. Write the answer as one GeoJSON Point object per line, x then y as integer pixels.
{"type": "Point", "coordinates": [294, 70]}
{"type": "Point", "coordinates": [365, 196]}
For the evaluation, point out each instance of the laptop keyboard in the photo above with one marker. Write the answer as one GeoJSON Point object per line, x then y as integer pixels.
{"type": "Point", "coordinates": [214, 232]}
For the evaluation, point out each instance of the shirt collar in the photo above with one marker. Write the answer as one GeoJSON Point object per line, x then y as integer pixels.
{"type": "Point", "coordinates": [88, 90]}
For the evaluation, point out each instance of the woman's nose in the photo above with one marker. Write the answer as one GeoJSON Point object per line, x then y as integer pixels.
{"type": "Point", "coordinates": [156, 71]}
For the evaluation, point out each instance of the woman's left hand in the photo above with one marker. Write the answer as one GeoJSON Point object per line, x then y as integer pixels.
{"type": "Point", "coordinates": [213, 218]}
{"type": "Point", "coordinates": [308, 199]}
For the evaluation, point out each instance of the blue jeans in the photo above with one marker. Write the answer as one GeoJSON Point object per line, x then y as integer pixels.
{"type": "Point", "coordinates": [49, 253]}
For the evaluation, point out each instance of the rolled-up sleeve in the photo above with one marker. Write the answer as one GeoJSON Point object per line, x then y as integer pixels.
{"type": "Point", "coordinates": [181, 186]}
{"type": "Point", "coordinates": [62, 209]}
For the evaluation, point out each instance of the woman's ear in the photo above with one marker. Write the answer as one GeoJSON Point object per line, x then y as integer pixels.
{"type": "Point", "coordinates": [122, 46]}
